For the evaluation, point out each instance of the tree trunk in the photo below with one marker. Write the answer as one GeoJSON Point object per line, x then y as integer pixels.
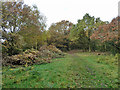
{"type": "Point", "coordinates": [89, 48]}
{"type": "Point", "coordinates": [89, 45]}
{"type": "Point", "coordinates": [105, 47]}
{"type": "Point", "coordinates": [36, 44]}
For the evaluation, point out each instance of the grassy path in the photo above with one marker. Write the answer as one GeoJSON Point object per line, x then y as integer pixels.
{"type": "Point", "coordinates": [74, 71]}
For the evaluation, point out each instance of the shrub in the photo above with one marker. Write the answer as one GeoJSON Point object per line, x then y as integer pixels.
{"type": "Point", "coordinates": [32, 56]}
{"type": "Point", "coordinates": [28, 57]}
{"type": "Point", "coordinates": [112, 60]}
{"type": "Point", "coordinates": [51, 51]}
{"type": "Point", "coordinates": [13, 44]}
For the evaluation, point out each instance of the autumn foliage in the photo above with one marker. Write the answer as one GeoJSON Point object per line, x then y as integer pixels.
{"type": "Point", "coordinates": [24, 29]}
{"type": "Point", "coordinates": [107, 32]}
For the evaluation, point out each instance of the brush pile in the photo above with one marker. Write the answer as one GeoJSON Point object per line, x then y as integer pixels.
{"type": "Point", "coordinates": [32, 56]}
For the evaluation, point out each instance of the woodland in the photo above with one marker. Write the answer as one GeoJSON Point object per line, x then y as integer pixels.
{"type": "Point", "coordinates": [37, 57]}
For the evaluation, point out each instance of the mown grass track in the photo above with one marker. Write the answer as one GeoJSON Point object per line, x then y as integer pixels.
{"type": "Point", "coordinates": [76, 70]}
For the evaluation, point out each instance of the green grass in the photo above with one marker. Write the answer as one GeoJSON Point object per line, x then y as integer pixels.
{"type": "Point", "coordinates": [79, 70]}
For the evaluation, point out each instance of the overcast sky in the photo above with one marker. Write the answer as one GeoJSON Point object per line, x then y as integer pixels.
{"type": "Point", "coordinates": [72, 10]}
